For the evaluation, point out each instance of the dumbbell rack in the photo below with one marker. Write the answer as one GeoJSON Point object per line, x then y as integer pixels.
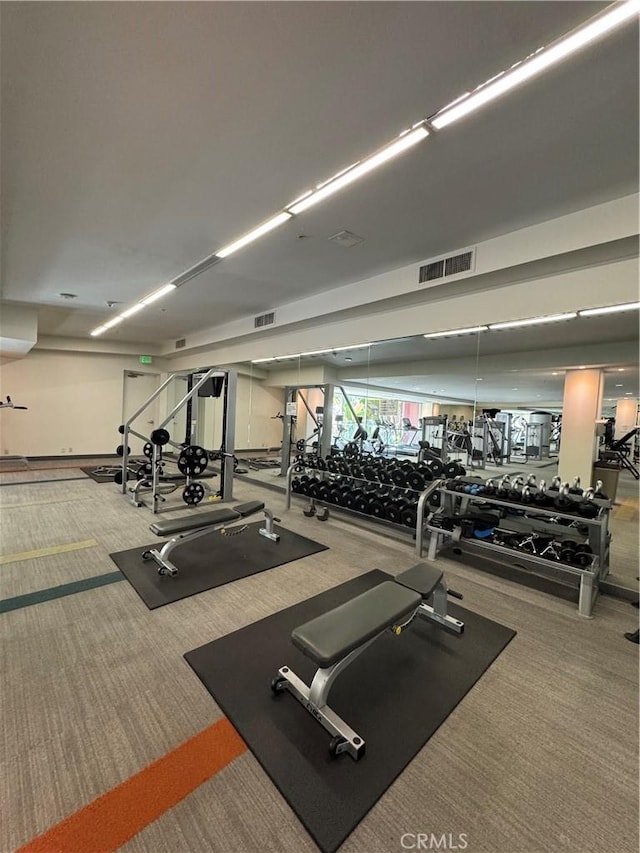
{"type": "Point", "coordinates": [422, 497]}
{"type": "Point", "coordinates": [456, 504]}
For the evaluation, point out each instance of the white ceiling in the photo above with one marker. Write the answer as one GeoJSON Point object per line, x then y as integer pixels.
{"type": "Point", "coordinates": [139, 137]}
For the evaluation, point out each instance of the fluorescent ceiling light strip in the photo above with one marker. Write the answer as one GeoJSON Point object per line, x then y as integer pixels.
{"type": "Point", "coordinates": [267, 226]}
{"type": "Point", "coordinates": [533, 321]}
{"type": "Point", "coordinates": [610, 309]}
{"type": "Point", "coordinates": [470, 330]}
{"type": "Point", "coordinates": [98, 331]}
{"type": "Point", "coordinates": [131, 311]}
{"type": "Point", "coordinates": [157, 294]}
{"type": "Point", "coordinates": [595, 28]}
{"type": "Point", "coordinates": [335, 349]}
{"type": "Point", "coordinates": [111, 323]}
{"type": "Point", "coordinates": [362, 168]}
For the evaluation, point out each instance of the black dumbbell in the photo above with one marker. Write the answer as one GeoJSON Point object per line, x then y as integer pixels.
{"type": "Point", "coordinates": [409, 515]}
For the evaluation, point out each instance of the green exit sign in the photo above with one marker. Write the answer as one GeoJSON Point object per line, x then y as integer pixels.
{"type": "Point", "coordinates": [146, 359]}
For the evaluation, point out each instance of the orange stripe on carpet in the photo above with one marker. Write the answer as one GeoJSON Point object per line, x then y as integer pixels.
{"type": "Point", "coordinates": [112, 819]}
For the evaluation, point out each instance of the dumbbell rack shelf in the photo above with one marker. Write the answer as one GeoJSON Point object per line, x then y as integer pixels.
{"type": "Point", "coordinates": [457, 504]}
{"type": "Point", "coordinates": [422, 497]}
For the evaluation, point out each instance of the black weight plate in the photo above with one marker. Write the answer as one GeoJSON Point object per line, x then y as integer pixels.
{"type": "Point", "coordinates": [147, 450]}
{"type": "Point", "coordinates": [160, 437]}
{"type": "Point", "coordinates": [117, 478]}
{"type": "Point", "coordinates": [434, 499]}
{"type": "Point", "coordinates": [192, 460]}
{"type": "Point", "coordinates": [296, 485]}
{"type": "Point", "coordinates": [451, 469]}
{"type": "Point", "coordinates": [332, 465]}
{"type": "Point", "coordinates": [121, 429]}
{"type": "Point", "coordinates": [193, 494]}
{"type": "Point", "coordinates": [120, 450]}
{"type": "Point", "coordinates": [321, 464]}
{"type": "Point", "coordinates": [300, 445]}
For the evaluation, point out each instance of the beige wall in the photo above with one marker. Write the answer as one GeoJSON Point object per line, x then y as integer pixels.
{"type": "Point", "coordinates": [75, 406]}
{"type": "Point", "coordinates": [74, 403]}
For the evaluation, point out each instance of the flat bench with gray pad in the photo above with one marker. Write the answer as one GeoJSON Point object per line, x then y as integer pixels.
{"type": "Point", "coordinates": [332, 641]}
{"type": "Point", "coordinates": [192, 526]}
{"type": "Point", "coordinates": [205, 519]}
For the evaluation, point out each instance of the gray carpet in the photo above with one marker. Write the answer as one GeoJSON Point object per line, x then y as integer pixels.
{"type": "Point", "coordinates": [540, 757]}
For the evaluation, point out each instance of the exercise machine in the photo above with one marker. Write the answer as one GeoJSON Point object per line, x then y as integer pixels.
{"type": "Point", "coordinates": [335, 639]}
{"type": "Point", "coordinates": [192, 459]}
{"type": "Point", "coordinates": [183, 530]}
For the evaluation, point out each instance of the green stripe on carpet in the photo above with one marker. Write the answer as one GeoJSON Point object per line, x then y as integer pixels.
{"type": "Point", "coordinates": [53, 592]}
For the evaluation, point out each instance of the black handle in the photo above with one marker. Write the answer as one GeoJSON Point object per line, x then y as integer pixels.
{"type": "Point", "coordinates": [455, 594]}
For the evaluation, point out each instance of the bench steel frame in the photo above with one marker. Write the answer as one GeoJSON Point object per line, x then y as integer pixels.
{"type": "Point", "coordinates": [161, 557]}
{"type": "Point", "coordinates": [315, 698]}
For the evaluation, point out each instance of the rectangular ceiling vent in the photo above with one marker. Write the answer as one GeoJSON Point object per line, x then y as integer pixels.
{"type": "Point", "coordinates": [181, 343]}
{"type": "Point", "coordinates": [444, 267]}
{"type": "Point", "coordinates": [264, 320]}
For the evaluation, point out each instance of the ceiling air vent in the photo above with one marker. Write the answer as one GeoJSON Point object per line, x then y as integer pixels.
{"type": "Point", "coordinates": [458, 263]}
{"type": "Point", "coordinates": [181, 343]}
{"type": "Point", "coordinates": [264, 320]}
{"type": "Point", "coordinates": [453, 265]}
{"type": "Point", "coordinates": [431, 271]}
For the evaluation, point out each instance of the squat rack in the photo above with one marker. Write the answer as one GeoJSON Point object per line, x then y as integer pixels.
{"type": "Point", "coordinates": [229, 378]}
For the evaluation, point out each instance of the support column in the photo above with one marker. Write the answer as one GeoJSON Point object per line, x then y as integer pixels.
{"type": "Point", "coordinates": [581, 408]}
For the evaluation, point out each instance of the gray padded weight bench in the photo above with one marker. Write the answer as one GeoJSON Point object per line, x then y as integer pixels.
{"type": "Point", "coordinates": [336, 638]}
{"type": "Point", "coordinates": [192, 526]}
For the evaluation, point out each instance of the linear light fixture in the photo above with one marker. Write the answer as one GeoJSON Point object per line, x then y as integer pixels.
{"type": "Point", "coordinates": [133, 310]}
{"type": "Point", "coordinates": [533, 321]}
{"type": "Point", "coordinates": [335, 349]}
{"type": "Point", "coordinates": [597, 27]}
{"type": "Point", "coordinates": [267, 226]}
{"type": "Point", "coordinates": [363, 167]}
{"type": "Point", "coordinates": [314, 352]}
{"type": "Point", "coordinates": [157, 294]}
{"type": "Point", "coordinates": [610, 309]}
{"type": "Point", "coordinates": [470, 330]}
{"type": "Point", "coordinates": [129, 312]}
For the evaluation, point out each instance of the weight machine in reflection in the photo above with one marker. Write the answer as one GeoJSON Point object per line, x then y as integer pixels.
{"type": "Point", "coordinates": [490, 440]}
{"type": "Point", "coordinates": [435, 432]}
{"type": "Point", "coordinates": [531, 436]}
